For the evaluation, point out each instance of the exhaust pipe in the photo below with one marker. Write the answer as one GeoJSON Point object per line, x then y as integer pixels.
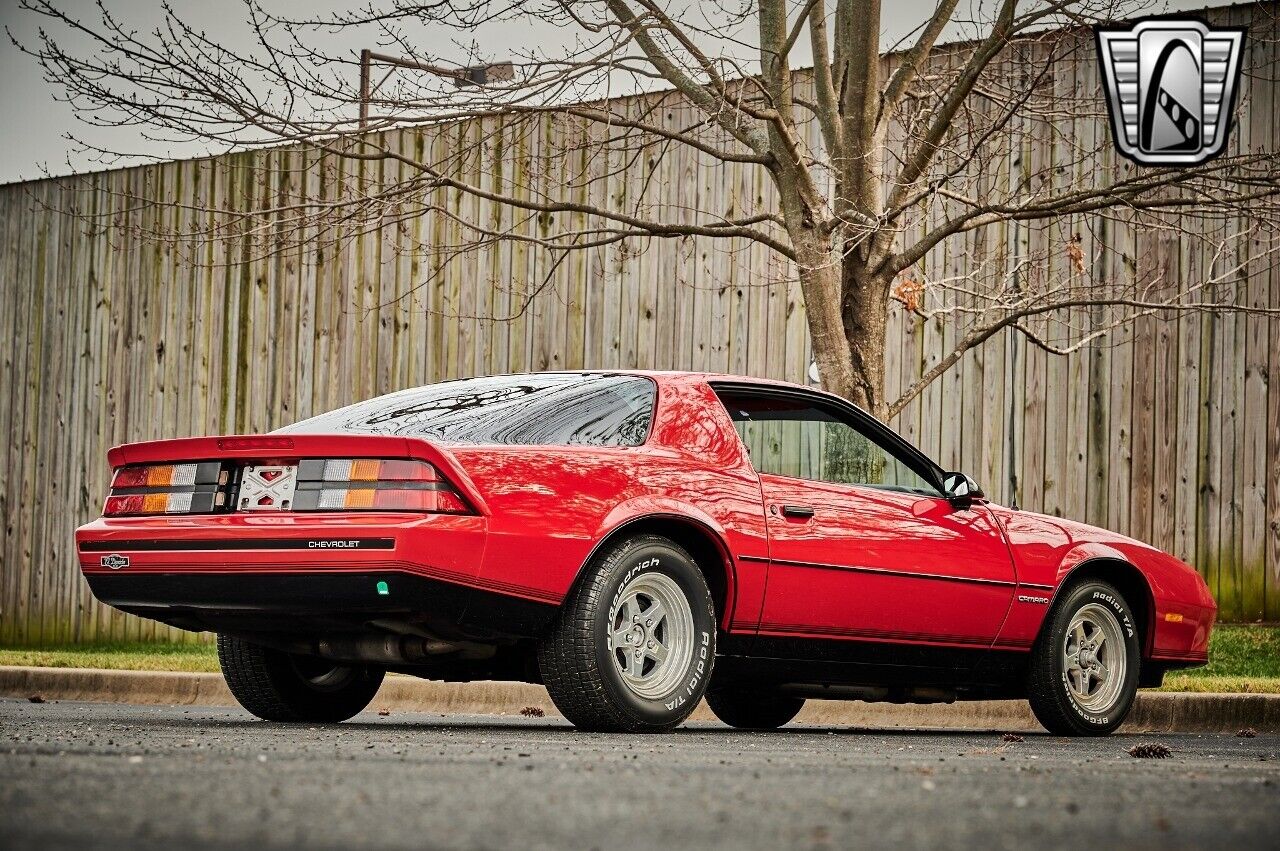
{"type": "Point", "coordinates": [397, 649]}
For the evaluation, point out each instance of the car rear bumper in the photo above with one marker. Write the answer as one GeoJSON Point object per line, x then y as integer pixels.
{"type": "Point", "coordinates": [320, 603]}
{"type": "Point", "coordinates": [305, 573]}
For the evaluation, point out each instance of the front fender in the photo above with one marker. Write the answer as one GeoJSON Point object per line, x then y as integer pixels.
{"type": "Point", "coordinates": [1048, 552]}
{"type": "Point", "coordinates": [1082, 553]}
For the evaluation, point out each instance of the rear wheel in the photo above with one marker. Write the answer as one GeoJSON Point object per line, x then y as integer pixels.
{"type": "Point", "coordinates": [633, 645]}
{"type": "Point", "coordinates": [279, 686]}
{"type": "Point", "coordinates": [1084, 666]}
{"type": "Point", "coordinates": [751, 709]}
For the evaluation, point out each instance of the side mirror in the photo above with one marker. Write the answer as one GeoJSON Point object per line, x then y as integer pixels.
{"type": "Point", "coordinates": [961, 490]}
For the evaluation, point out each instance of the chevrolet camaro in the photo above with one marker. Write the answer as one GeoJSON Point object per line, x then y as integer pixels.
{"type": "Point", "coordinates": [635, 541]}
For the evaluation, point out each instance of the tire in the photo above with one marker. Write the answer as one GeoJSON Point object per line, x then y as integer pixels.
{"type": "Point", "coordinates": [581, 659]}
{"type": "Point", "coordinates": [279, 686]}
{"type": "Point", "coordinates": [749, 709]}
{"type": "Point", "coordinates": [1093, 698]}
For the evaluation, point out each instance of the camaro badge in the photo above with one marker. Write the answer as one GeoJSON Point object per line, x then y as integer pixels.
{"type": "Point", "coordinates": [115, 561]}
{"type": "Point", "coordinates": [1171, 86]}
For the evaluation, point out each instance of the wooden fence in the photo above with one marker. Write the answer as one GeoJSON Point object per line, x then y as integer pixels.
{"type": "Point", "coordinates": [1168, 430]}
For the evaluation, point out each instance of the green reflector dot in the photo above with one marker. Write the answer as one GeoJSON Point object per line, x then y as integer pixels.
{"type": "Point", "coordinates": [383, 588]}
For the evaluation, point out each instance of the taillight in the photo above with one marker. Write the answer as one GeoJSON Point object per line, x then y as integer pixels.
{"type": "Point", "coordinates": [166, 489]}
{"type": "Point", "coordinates": [374, 484]}
{"type": "Point", "coordinates": [336, 484]}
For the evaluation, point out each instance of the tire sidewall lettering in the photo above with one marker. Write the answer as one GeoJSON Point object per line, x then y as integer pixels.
{"type": "Point", "coordinates": [1120, 610]}
{"type": "Point", "coordinates": [696, 674]}
{"type": "Point", "coordinates": [641, 566]}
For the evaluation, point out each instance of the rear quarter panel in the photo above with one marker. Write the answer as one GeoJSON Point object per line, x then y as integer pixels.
{"type": "Point", "coordinates": [550, 507]}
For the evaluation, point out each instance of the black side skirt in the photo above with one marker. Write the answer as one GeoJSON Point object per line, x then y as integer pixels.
{"type": "Point", "coordinates": [768, 660]}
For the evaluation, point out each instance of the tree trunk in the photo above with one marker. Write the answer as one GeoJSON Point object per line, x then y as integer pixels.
{"type": "Point", "coordinates": [865, 314]}
{"type": "Point", "coordinates": [820, 284]}
{"type": "Point", "coordinates": [847, 308]}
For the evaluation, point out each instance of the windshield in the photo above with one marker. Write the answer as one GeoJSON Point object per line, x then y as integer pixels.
{"type": "Point", "coordinates": [541, 409]}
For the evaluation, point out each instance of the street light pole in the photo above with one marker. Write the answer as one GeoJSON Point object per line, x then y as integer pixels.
{"type": "Point", "coordinates": [475, 75]}
{"type": "Point", "coordinates": [366, 58]}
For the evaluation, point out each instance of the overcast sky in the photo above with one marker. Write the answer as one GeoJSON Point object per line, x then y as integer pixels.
{"type": "Point", "coordinates": [35, 121]}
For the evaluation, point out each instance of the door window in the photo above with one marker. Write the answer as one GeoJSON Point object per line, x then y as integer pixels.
{"type": "Point", "coordinates": [803, 440]}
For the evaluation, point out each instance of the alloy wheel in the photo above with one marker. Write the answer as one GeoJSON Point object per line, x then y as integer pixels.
{"type": "Point", "coordinates": [1094, 661]}
{"type": "Point", "coordinates": [651, 635]}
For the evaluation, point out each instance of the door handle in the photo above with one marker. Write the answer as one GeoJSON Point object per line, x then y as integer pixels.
{"type": "Point", "coordinates": [797, 511]}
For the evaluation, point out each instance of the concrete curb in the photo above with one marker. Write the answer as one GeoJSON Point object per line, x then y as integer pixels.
{"type": "Point", "coordinates": [1182, 712]}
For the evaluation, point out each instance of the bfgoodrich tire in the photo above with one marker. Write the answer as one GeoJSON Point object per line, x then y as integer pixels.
{"type": "Point", "coordinates": [752, 709]}
{"type": "Point", "coordinates": [634, 643]}
{"type": "Point", "coordinates": [1084, 666]}
{"type": "Point", "coordinates": [279, 686]}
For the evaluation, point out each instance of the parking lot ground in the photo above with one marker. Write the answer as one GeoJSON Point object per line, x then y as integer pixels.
{"type": "Point", "coordinates": [103, 775]}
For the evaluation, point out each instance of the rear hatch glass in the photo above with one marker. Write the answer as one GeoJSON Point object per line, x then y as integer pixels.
{"type": "Point", "coordinates": [542, 409]}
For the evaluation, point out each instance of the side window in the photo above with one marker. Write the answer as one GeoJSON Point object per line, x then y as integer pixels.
{"type": "Point", "coordinates": [804, 441]}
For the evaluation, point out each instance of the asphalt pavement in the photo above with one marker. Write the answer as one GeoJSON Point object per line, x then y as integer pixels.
{"type": "Point", "coordinates": [102, 775]}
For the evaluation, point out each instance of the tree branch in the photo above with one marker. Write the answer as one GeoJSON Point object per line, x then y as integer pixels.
{"type": "Point", "coordinates": [828, 110]}
{"type": "Point", "coordinates": [914, 58]}
{"type": "Point", "coordinates": [1134, 193]}
{"type": "Point", "coordinates": [928, 145]}
{"type": "Point", "coordinates": [733, 120]}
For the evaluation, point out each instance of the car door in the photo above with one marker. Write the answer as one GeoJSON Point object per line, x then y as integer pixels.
{"type": "Point", "coordinates": [862, 543]}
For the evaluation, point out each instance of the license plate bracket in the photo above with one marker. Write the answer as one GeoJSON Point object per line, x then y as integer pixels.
{"type": "Point", "coordinates": [267, 487]}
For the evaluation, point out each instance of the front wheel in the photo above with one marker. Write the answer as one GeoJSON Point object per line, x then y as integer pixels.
{"type": "Point", "coordinates": [1084, 666]}
{"type": "Point", "coordinates": [634, 643]}
{"type": "Point", "coordinates": [279, 686]}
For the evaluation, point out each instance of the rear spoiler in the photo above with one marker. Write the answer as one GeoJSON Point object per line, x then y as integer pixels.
{"type": "Point", "coordinates": [283, 447]}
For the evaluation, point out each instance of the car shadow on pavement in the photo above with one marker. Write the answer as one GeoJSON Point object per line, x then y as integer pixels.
{"type": "Point", "coordinates": [559, 727]}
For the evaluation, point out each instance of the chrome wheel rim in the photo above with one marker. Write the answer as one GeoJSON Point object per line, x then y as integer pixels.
{"type": "Point", "coordinates": [650, 635]}
{"type": "Point", "coordinates": [1094, 660]}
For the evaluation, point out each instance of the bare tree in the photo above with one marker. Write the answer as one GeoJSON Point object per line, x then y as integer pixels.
{"type": "Point", "coordinates": [874, 162]}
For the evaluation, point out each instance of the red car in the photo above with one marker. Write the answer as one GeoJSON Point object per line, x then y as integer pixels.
{"type": "Point", "coordinates": [634, 541]}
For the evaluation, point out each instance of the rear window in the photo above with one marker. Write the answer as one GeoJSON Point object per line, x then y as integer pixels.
{"type": "Point", "coordinates": [547, 409]}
